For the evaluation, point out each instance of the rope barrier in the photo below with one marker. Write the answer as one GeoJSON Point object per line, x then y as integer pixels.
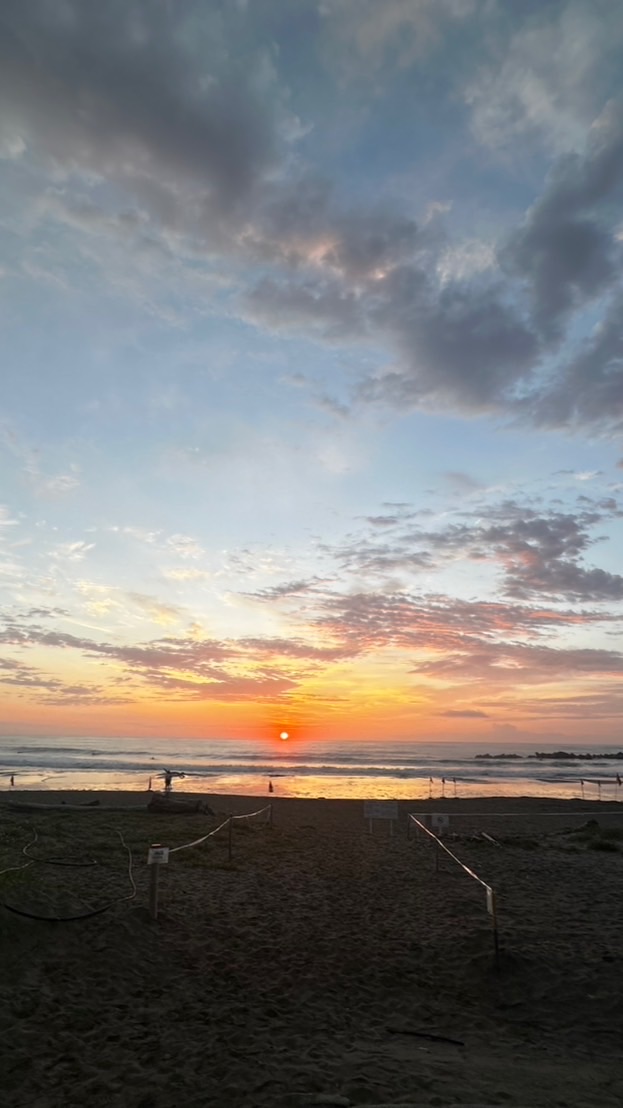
{"type": "Point", "coordinates": [14, 869]}
{"type": "Point", "coordinates": [82, 915]}
{"type": "Point", "coordinates": [54, 861]}
{"type": "Point", "coordinates": [432, 834]}
{"type": "Point", "coordinates": [248, 815]}
{"type": "Point", "coordinates": [491, 899]}
{"type": "Point", "coordinates": [24, 865]}
{"type": "Point", "coordinates": [198, 842]}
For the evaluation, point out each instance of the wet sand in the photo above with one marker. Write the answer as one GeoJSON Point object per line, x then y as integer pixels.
{"type": "Point", "coordinates": [300, 971]}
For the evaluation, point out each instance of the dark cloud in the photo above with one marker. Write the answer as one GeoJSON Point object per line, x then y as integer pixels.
{"type": "Point", "coordinates": [566, 251]}
{"type": "Point", "coordinates": [475, 344]}
{"type": "Point", "coordinates": [511, 664]}
{"type": "Point", "coordinates": [293, 648]}
{"type": "Point", "coordinates": [588, 388]}
{"type": "Point", "coordinates": [368, 621]}
{"type": "Point", "coordinates": [264, 684]}
{"type": "Point", "coordinates": [538, 551]}
{"type": "Point", "coordinates": [322, 306]}
{"type": "Point", "coordinates": [465, 713]}
{"type": "Point", "coordinates": [144, 95]}
{"type": "Point", "coordinates": [183, 111]}
{"type": "Point", "coordinates": [463, 345]}
{"type": "Point", "coordinates": [43, 613]}
{"type": "Point", "coordinates": [288, 588]}
{"type": "Point", "coordinates": [27, 681]}
{"type": "Point", "coordinates": [176, 668]}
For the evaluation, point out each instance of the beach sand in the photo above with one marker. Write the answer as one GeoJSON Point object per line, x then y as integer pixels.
{"type": "Point", "coordinates": [298, 972]}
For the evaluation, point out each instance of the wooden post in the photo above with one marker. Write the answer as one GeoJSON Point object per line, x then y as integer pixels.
{"type": "Point", "coordinates": [153, 888]}
{"type": "Point", "coordinates": [492, 909]}
{"type": "Point", "coordinates": [230, 829]}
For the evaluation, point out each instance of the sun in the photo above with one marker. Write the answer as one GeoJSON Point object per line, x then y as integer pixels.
{"type": "Point", "coordinates": [284, 735]}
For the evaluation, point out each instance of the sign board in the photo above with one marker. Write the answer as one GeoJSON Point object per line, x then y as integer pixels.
{"type": "Point", "coordinates": [439, 822]}
{"type": "Point", "coordinates": [380, 809]}
{"type": "Point", "coordinates": [158, 855]}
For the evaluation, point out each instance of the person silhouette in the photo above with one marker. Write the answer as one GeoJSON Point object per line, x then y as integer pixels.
{"type": "Point", "coordinates": [270, 786]}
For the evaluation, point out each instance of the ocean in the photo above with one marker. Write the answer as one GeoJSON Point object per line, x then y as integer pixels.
{"type": "Point", "coordinates": [364, 769]}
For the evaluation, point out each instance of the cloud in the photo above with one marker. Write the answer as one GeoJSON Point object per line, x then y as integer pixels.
{"type": "Point", "coordinates": [165, 614]}
{"type": "Point", "coordinates": [182, 114]}
{"type": "Point", "coordinates": [149, 98]}
{"type": "Point", "coordinates": [544, 74]}
{"type": "Point", "coordinates": [462, 482]}
{"type": "Point", "coordinates": [45, 485]}
{"type": "Point", "coordinates": [72, 551]}
{"type": "Point", "coordinates": [538, 550]}
{"type": "Point", "coordinates": [465, 713]}
{"type": "Point", "coordinates": [368, 621]}
{"type": "Point", "coordinates": [366, 36]}
{"type": "Point", "coordinates": [45, 689]}
{"type": "Point", "coordinates": [566, 250]}
{"type": "Point", "coordinates": [288, 589]}
{"type": "Point", "coordinates": [587, 390]}
{"type": "Point", "coordinates": [515, 664]}
{"type": "Point", "coordinates": [193, 668]}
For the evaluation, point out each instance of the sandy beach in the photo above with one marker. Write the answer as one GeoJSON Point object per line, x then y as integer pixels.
{"type": "Point", "coordinates": [321, 965]}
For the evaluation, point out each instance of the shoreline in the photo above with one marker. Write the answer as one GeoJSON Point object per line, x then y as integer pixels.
{"type": "Point", "coordinates": [90, 800]}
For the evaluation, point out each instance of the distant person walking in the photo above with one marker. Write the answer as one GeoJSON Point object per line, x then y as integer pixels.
{"type": "Point", "coordinates": [270, 787]}
{"type": "Point", "coordinates": [149, 786]}
{"type": "Point", "coordinates": [12, 779]}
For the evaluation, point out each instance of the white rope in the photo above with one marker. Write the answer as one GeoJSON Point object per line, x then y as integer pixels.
{"type": "Point", "coordinates": [457, 860]}
{"type": "Point", "coordinates": [24, 865]}
{"type": "Point", "coordinates": [536, 815]}
{"type": "Point", "coordinates": [248, 815]}
{"type": "Point", "coordinates": [198, 842]}
{"type": "Point", "coordinates": [131, 895]}
{"type": "Point", "coordinates": [12, 869]}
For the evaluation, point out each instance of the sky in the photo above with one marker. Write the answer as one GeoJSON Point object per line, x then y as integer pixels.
{"type": "Point", "coordinates": [311, 368]}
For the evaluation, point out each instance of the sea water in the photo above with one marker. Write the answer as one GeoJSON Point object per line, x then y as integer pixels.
{"type": "Point", "coordinates": [373, 769]}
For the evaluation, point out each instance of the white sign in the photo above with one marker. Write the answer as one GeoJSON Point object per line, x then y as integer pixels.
{"type": "Point", "coordinates": [158, 855]}
{"type": "Point", "coordinates": [439, 821]}
{"type": "Point", "coordinates": [380, 809]}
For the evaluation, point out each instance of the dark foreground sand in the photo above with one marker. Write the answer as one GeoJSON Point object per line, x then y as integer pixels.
{"type": "Point", "coordinates": [297, 973]}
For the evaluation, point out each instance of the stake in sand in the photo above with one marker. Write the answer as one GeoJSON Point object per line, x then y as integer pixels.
{"type": "Point", "coordinates": [157, 855]}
